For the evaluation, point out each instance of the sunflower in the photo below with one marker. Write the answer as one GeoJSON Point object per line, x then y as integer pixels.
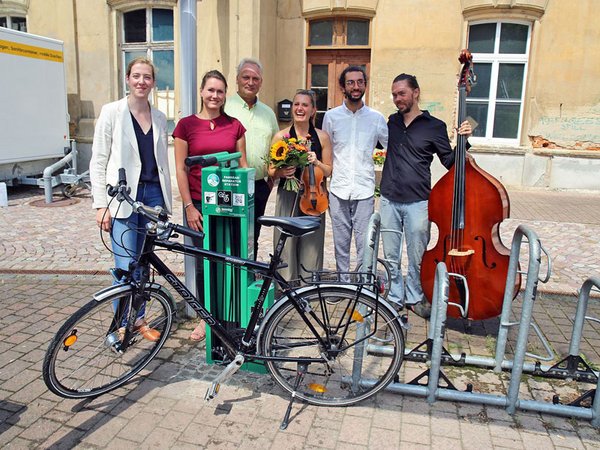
{"type": "Point", "coordinates": [279, 151]}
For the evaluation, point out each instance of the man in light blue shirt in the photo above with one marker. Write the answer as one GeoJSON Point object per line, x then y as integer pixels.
{"type": "Point", "coordinates": [261, 125]}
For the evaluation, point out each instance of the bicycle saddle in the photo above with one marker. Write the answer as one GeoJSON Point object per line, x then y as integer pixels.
{"type": "Point", "coordinates": [295, 226]}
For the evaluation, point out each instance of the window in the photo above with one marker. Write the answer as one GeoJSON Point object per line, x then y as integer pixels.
{"type": "Point", "coordinates": [148, 33]}
{"type": "Point", "coordinates": [14, 23]}
{"type": "Point", "coordinates": [500, 56]}
{"type": "Point", "coordinates": [338, 32]}
{"type": "Point", "coordinates": [334, 44]}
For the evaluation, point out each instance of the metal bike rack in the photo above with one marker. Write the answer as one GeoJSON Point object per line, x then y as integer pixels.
{"type": "Point", "coordinates": [572, 366]}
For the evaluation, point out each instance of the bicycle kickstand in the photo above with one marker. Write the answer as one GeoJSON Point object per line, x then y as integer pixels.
{"type": "Point", "coordinates": [231, 368]}
{"type": "Point", "coordinates": [300, 372]}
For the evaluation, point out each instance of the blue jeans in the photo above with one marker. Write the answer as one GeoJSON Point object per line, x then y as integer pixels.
{"type": "Point", "coordinates": [127, 235]}
{"type": "Point", "coordinates": [410, 221]}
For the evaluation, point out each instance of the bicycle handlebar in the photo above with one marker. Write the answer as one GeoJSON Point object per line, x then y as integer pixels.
{"type": "Point", "coordinates": [211, 160]}
{"type": "Point", "coordinates": [155, 214]}
{"type": "Point", "coordinates": [204, 161]}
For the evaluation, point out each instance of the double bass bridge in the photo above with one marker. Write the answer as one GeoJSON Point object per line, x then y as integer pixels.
{"type": "Point", "coordinates": [457, 252]}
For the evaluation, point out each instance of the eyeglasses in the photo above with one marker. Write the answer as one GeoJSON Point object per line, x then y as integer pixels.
{"type": "Point", "coordinates": [359, 83]}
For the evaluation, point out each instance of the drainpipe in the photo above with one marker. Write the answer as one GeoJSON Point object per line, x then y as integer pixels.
{"type": "Point", "coordinates": [47, 175]}
{"type": "Point", "coordinates": [187, 101]}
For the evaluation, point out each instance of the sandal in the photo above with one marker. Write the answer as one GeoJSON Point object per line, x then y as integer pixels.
{"type": "Point", "coordinates": [199, 333]}
{"type": "Point", "coordinates": [150, 334]}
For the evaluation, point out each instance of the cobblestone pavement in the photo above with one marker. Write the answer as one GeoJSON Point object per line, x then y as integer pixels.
{"type": "Point", "coordinates": [66, 238]}
{"type": "Point", "coordinates": [51, 262]}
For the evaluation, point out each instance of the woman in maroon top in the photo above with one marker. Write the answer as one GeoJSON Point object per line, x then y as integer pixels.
{"type": "Point", "coordinates": [209, 131]}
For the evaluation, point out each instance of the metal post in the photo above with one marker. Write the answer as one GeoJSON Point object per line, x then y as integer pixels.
{"type": "Point", "coordinates": [439, 306]}
{"type": "Point", "coordinates": [187, 99]}
{"type": "Point", "coordinates": [513, 267]}
{"type": "Point", "coordinates": [582, 304]}
{"type": "Point", "coordinates": [528, 299]}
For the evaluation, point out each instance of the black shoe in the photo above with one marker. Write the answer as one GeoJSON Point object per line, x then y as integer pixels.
{"type": "Point", "coordinates": [397, 307]}
{"type": "Point", "coordinates": [422, 309]}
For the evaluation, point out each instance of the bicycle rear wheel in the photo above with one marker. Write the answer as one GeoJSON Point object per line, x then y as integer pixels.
{"type": "Point", "coordinates": [82, 360]}
{"type": "Point", "coordinates": [364, 345]}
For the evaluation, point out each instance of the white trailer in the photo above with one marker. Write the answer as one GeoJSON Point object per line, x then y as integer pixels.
{"type": "Point", "coordinates": [34, 120]}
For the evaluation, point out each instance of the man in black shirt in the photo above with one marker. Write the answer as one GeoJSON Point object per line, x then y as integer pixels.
{"type": "Point", "coordinates": [414, 137]}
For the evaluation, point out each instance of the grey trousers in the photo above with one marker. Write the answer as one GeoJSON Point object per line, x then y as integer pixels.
{"type": "Point", "coordinates": [348, 216]}
{"type": "Point", "coordinates": [305, 251]}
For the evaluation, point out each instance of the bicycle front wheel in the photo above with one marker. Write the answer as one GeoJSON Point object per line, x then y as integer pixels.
{"type": "Point", "coordinates": [83, 358]}
{"type": "Point", "coordinates": [360, 350]}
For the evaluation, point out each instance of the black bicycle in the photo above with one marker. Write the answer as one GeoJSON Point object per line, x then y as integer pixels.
{"type": "Point", "coordinates": [328, 343]}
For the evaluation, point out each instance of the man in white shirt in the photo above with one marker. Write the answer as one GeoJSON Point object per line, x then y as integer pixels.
{"type": "Point", "coordinates": [354, 129]}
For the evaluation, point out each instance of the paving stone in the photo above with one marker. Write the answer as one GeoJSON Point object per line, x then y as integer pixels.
{"type": "Point", "coordinates": [40, 429]}
{"type": "Point", "coordinates": [176, 421]}
{"type": "Point", "coordinates": [443, 442]}
{"type": "Point", "coordinates": [197, 434]}
{"type": "Point", "coordinates": [288, 441]}
{"type": "Point", "coordinates": [103, 435]}
{"type": "Point", "coordinates": [355, 430]}
{"type": "Point", "coordinates": [500, 442]}
{"type": "Point", "coordinates": [383, 439]}
{"type": "Point", "coordinates": [161, 438]}
{"type": "Point", "coordinates": [64, 437]}
{"type": "Point", "coordinates": [9, 432]}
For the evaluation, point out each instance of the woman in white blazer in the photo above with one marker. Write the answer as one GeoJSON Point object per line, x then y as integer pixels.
{"type": "Point", "coordinates": [131, 134]}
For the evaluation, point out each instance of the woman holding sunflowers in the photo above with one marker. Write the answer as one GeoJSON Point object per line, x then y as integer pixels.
{"type": "Point", "coordinates": [291, 148]}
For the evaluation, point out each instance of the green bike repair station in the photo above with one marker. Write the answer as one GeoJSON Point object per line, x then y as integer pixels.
{"type": "Point", "coordinates": [228, 209]}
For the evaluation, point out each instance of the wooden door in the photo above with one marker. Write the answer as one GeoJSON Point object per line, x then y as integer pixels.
{"type": "Point", "coordinates": [324, 68]}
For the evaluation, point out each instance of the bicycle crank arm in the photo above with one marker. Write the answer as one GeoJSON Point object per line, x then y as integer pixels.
{"type": "Point", "coordinates": [231, 368]}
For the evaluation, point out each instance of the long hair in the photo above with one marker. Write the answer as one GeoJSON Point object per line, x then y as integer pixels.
{"type": "Point", "coordinates": [219, 76]}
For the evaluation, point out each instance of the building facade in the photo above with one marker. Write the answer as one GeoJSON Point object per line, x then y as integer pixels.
{"type": "Point", "coordinates": [536, 102]}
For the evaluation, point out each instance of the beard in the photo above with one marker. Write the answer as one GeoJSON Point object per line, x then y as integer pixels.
{"type": "Point", "coordinates": [350, 98]}
{"type": "Point", "coordinates": [405, 108]}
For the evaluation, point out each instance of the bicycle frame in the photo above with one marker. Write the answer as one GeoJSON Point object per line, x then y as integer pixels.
{"type": "Point", "coordinates": [148, 258]}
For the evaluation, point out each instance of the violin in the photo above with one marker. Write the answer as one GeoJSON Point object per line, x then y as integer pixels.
{"type": "Point", "coordinates": [314, 200]}
{"type": "Point", "coordinates": [467, 204]}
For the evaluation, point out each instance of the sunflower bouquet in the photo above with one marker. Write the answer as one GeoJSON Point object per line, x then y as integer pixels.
{"type": "Point", "coordinates": [289, 152]}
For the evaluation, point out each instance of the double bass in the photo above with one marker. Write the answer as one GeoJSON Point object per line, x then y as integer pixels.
{"type": "Point", "coordinates": [467, 204]}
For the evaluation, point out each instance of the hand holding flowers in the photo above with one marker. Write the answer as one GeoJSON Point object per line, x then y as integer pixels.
{"type": "Point", "coordinates": [379, 157]}
{"type": "Point", "coordinates": [290, 153]}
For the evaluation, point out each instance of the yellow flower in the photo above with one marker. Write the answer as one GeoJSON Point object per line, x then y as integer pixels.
{"type": "Point", "coordinates": [279, 151]}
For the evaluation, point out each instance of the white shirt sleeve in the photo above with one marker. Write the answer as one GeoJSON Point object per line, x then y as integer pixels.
{"type": "Point", "coordinates": [326, 127]}
{"type": "Point", "coordinates": [382, 132]}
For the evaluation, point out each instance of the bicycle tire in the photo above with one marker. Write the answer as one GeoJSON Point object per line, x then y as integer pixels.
{"type": "Point", "coordinates": [384, 274]}
{"type": "Point", "coordinates": [333, 385]}
{"type": "Point", "coordinates": [90, 366]}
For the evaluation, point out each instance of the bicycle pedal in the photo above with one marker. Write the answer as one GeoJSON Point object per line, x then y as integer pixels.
{"type": "Point", "coordinates": [227, 373]}
{"type": "Point", "coordinates": [212, 391]}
